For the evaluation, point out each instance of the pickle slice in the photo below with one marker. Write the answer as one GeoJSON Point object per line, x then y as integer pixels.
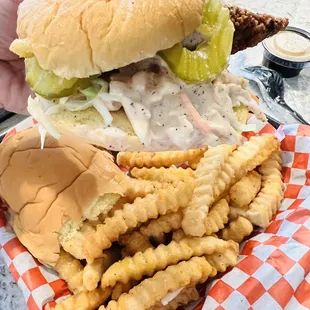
{"type": "Point", "coordinates": [49, 85]}
{"type": "Point", "coordinates": [210, 58]}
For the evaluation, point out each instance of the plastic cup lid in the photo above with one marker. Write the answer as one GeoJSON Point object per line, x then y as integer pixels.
{"type": "Point", "coordinates": [293, 44]}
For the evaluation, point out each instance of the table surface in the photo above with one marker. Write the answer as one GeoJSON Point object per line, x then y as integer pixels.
{"type": "Point", "coordinates": [298, 11]}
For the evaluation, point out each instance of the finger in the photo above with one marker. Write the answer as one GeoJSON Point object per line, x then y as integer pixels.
{"type": "Point", "coordinates": [8, 21]}
{"type": "Point", "coordinates": [13, 89]}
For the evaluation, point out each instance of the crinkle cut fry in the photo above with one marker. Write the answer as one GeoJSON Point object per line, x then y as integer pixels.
{"type": "Point", "coordinates": [206, 176]}
{"type": "Point", "coordinates": [252, 154]}
{"type": "Point", "coordinates": [90, 246]}
{"type": "Point", "coordinates": [159, 159]}
{"type": "Point", "coordinates": [243, 192]}
{"type": "Point", "coordinates": [187, 295]}
{"type": "Point", "coordinates": [268, 200]}
{"type": "Point", "coordinates": [169, 175]}
{"type": "Point", "coordinates": [122, 288]}
{"type": "Point", "coordinates": [140, 188]}
{"type": "Point", "coordinates": [152, 290]}
{"type": "Point", "coordinates": [71, 270]}
{"type": "Point", "coordinates": [153, 260]}
{"type": "Point", "coordinates": [221, 176]}
{"type": "Point", "coordinates": [217, 217]}
{"type": "Point", "coordinates": [246, 158]}
{"type": "Point", "coordinates": [93, 272]}
{"type": "Point", "coordinates": [178, 235]}
{"type": "Point", "coordinates": [237, 230]}
{"type": "Point", "coordinates": [229, 258]}
{"type": "Point", "coordinates": [135, 242]}
{"type": "Point", "coordinates": [157, 229]}
{"type": "Point", "coordinates": [84, 300]}
{"type": "Point", "coordinates": [81, 278]}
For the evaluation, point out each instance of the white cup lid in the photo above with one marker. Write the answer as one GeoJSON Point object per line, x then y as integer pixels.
{"type": "Point", "coordinates": [289, 45]}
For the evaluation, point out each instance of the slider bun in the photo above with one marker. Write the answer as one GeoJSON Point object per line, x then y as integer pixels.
{"type": "Point", "coordinates": [78, 38]}
{"type": "Point", "coordinates": [54, 189]}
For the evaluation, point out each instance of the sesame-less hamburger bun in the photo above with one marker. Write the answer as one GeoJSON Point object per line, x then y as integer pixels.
{"type": "Point", "coordinates": [54, 189]}
{"type": "Point", "coordinates": [77, 39]}
{"type": "Point", "coordinates": [133, 75]}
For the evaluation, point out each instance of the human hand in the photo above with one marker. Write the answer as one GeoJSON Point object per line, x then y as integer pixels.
{"type": "Point", "coordinates": [14, 90]}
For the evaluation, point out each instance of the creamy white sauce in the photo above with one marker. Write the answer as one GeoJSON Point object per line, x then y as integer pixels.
{"type": "Point", "coordinates": [166, 113]}
{"type": "Point", "coordinates": [154, 107]}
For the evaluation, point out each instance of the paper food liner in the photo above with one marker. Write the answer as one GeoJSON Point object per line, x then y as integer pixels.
{"type": "Point", "coordinates": [273, 267]}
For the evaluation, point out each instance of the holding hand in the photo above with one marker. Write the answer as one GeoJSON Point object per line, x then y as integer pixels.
{"type": "Point", "coordinates": [13, 89]}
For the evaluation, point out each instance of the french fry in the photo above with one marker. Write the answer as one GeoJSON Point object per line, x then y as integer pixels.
{"type": "Point", "coordinates": [268, 200]}
{"type": "Point", "coordinates": [206, 176]}
{"type": "Point", "coordinates": [71, 270]}
{"type": "Point", "coordinates": [252, 154]}
{"type": "Point", "coordinates": [111, 256]}
{"type": "Point", "coordinates": [220, 175]}
{"type": "Point", "coordinates": [92, 273]}
{"type": "Point", "coordinates": [229, 258]}
{"type": "Point", "coordinates": [178, 235]}
{"type": "Point", "coordinates": [246, 158]}
{"type": "Point", "coordinates": [152, 260]}
{"type": "Point", "coordinates": [81, 278]}
{"type": "Point", "coordinates": [122, 288]}
{"type": "Point", "coordinates": [135, 242]}
{"type": "Point", "coordinates": [90, 246]}
{"type": "Point", "coordinates": [217, 217]}
{"type": "Point", "coordinates": [157, 229]}
{"type": "Point", "coordinates": [140, 188]}
{"type": "Point", "coordinates": [238, 229]}
{"type": "Point", "coordinates": [152, 290]}
{"type": "Point", "coordinates": [159, 159]}
{"type": "Point", "coordinates": [85, 300]}
{"type": "Point", "coordinates": [118, 206]}
{"type": "Point", "coordinates": [187, 295]}
{"type": "Point", "coordinates": [169, 175]}
{"type": "Point", "coordinates": [243, 192]}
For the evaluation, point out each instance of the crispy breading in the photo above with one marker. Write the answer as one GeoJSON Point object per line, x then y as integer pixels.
{"type": "Point", "coordinates": [251, 28]}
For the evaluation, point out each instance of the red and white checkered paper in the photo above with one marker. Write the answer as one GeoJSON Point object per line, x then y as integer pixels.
{"type": "Point", "coordinates": [274, 265]}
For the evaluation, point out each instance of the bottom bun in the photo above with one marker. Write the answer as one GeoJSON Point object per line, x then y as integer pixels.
{"type": "Point", "coordinates": [88, 125]}
{"type": "Point", "coordinates": [55, 189]}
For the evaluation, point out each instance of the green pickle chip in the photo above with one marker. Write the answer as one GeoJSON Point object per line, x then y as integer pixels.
{"type": "Point", "coordinates": [211, 57]}
{"type": "Point", "coordinates": [49, 85]}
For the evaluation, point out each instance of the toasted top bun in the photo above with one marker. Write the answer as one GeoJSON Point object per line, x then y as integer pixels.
{"type": "Point", "coordinates": [78, 38]}
{"type": "Point", "coordinates": [61, 185]}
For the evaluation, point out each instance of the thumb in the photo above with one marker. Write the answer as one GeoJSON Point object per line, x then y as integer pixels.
{"type": "Point", "coordinates": [8, 22]}
{"type": "Point", "coordinates": [14, 91]}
